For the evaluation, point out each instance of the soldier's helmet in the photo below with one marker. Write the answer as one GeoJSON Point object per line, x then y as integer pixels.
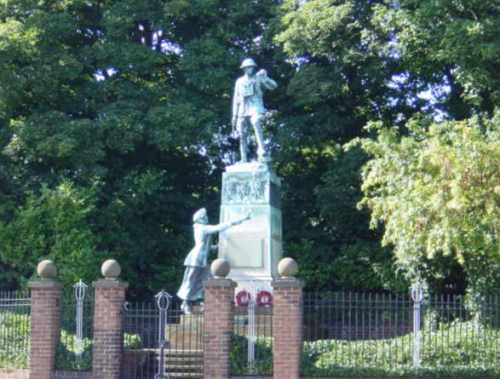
{"type": "Point", "coordinates": [248, 62]}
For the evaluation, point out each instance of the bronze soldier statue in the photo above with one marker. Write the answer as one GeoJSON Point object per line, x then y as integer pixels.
{"type": "Point", "coordinates": [248, 106]}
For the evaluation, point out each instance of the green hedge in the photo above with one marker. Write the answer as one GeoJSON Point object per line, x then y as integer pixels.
{"type": "Point", "coordinates": [461, 349]}
{"type": "Point", "coordinates": [263, 354]}
{"type": "Point", "coordinates": [457, 349]}
{"type": "Point", "coordinates": [14, 351]}
{"type": "Point", "coordinates": [14, 339]}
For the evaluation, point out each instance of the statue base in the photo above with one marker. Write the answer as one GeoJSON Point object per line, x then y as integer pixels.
{"type": "Point", "coordinates": [254, 247]}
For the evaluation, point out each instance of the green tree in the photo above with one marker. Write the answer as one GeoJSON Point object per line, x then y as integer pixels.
{"type": "Point", "coordinates": [450, 43]}
{"type": "Point", "coordinates": [52, 225]}
{"type": "Point", "coordinates": [436, 191]}
{"type": "Point", "coordinates": [384, 61]}
{"type": "Point", "coordinates": [124, 97]}
{"type": "Point", "coordinates": [343, 63]}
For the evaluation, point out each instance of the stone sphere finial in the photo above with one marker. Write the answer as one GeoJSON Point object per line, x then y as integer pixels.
{"type": "Point", "coordinates": [46, 269]}
{"type": "Point", "coordinates": [220, 268]}
{"type": "Point", "coordinates": [287, 268]}
{"type": "Point", "coordinates": [111, 269]}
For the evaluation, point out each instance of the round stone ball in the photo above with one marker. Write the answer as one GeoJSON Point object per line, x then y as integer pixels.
{"type": "Point", "coordinates": [46, 269]}
{"type": "Point", "coordinates": [287, 267]}
{"type": "Point", "coordinates": [220, 268]}
{"type": "Point", "coordinates": [111, 269]}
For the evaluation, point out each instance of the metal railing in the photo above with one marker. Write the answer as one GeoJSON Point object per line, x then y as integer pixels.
{"type": "Point", "coordinates": [15, 329]}
{"type": "Point", "coordinates": [377, 334]}
{"type": "Point", "coordinates": [160, 341]}
{"type": "Point", "coordinates": [74, 350]}
{"type": "Point", "coordinates": [252, 343]}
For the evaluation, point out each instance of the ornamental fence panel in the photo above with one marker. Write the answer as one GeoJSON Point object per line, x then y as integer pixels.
{"type": "Point", "coordinates": [160, 341]}
{"type": "Point", "coordinates": [252, 341]}
{"type": "Point", "coordinates": [74, 349]}
{"type": "Point", "coordinates": [15, 329]}
{"type": "Point", "coordinates": [382, 333]}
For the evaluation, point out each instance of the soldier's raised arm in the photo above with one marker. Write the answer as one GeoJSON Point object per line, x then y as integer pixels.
{"type": "Point", "coordinates": [266, 81]}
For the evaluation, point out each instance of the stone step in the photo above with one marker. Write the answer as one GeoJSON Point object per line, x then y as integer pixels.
{"type": "Point", "coordinates": [179, 360]}
{"type": "Point", "coordinates": [183, 353]}
{"type": "Point", "coordinates": [181, 375]}
{"type": "Point", "coordinates": [181, 363]}
{"type": "Point", "coordinates": [184, 367]}
{"type": "Point", "coordinates": [176, 352]}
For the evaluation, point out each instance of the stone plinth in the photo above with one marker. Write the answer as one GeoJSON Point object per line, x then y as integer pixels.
{"type": "Point", "coordinates": [253, 248]}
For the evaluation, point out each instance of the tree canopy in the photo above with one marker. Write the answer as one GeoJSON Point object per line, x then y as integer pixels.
{"type": "Point", "coordinates": [114, 125]}
{"type": "Point", "coordinates": [436, 191]}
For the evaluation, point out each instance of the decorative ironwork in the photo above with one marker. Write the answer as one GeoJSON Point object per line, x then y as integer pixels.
{"type": "Point", "coordinates": [145, 333]}
{"type": "Point", "coordinates": [15, 312]}
{"type": "Point", "coordinates": [80, 292]}
{"type": "Point", "coordinates": [252, 330]}
{"type": "Point", "coordinates": [417, 294]}
{"type": "Point", "coordinates": [163, 300]}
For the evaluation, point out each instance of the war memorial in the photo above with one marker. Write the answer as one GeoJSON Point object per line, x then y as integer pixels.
{"type": "Point", "coordinates": [250, 230]}
{"type": "Point", "coordinates": [211, 189]}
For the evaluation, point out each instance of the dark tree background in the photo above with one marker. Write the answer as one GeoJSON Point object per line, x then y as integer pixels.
{"type": "Point", "coordinates": [114, 123]}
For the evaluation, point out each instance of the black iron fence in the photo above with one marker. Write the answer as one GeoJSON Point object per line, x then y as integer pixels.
{"type": "Point", "coordinates": [252, 342]}
{"type": "Point", "coordinates": [378, 334]}
{"type": "Point", "coordinates": [15, 314]}
{"type": "Point", "coordinates": [162, 341]}
{"type": "Point", "coordinates": [74, 349]}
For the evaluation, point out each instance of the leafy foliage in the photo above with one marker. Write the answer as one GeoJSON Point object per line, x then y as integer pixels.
{"type": "Point", "coordinates": [470, 353]}
{"type": "Point", "coordinates": [127, 103]}
{"type": "Point", "coordinates": [52, 225]}
{"type": "Point", "coordinates": [454, 43]}
{"type": "Point", "coordinates": [16, 354]}
{"type": "Point", "coordinates": [239, 356]}
{"type": "Point", "coordinates": [435, 190]}
{"type": "Point", "coordinates": [16, 327]}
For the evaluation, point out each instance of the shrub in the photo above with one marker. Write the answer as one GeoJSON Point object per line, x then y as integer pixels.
{"type": "Point", "coordinates": [453, 349]}
{"type": "Point", "coordinates": [14, 339]}
{"type": "Point", "coordinates": [14, 350]}
{"type": "Point", "coordinates": [238, 356]}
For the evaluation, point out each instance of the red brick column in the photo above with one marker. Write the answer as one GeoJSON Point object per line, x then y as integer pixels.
{"type": "Point", "coordinates": [45, 326]}
{"type": "Point", "coordinates": [287, 328]}
{"type": "Point", "coordinates": [218, 327]}
{"type": "Point", "coordinates": [108, 328]}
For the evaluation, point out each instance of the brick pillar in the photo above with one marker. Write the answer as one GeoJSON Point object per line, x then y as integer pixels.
{"type": "Point", "coordinates": [287, 328]}
{"type": "Point", "coordinates": [108, 328]}
{"type": "Point", "coordinates": [45, 321]}
{"type": "Point", "coordinates": [218, 327]}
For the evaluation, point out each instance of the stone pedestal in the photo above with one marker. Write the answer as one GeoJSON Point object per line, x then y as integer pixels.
{"type": "Point", "coordinates": [253, 248]}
